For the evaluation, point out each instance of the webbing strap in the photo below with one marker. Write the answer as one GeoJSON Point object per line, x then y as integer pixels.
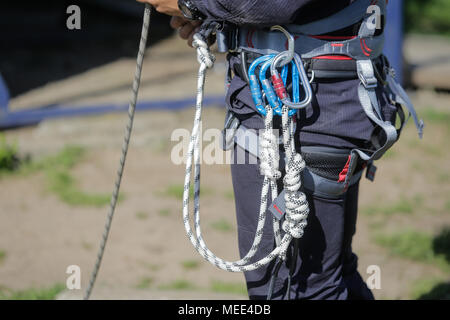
{"type": "Point", "coordinates": [369, 102]}
{"type": "Point", "coordinates": [348, 16]}
{"type": "Point", "coordinates": [265, 42]}
{"type": "Point", "coordinates": [366, 74]}
{"type": "Point", "coordinates": [401, 97]}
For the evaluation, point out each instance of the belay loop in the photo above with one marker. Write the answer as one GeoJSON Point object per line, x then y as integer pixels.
{"type": "Point", "coordinates": [296, 204]}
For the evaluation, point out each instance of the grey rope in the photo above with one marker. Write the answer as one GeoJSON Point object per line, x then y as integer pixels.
{"type": "Point", "coordinates": [125, 146]}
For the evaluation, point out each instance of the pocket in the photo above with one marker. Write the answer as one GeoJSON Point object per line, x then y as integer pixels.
{"type": "Point", "coordinates": [337, 201]}
{"type": "Point", "coordinates": [239, 98]}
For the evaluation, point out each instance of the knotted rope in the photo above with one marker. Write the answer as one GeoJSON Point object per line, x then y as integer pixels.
{"type": "Point", "coordinates": [297, 208]}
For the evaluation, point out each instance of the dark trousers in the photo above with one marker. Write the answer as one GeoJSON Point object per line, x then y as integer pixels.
{"type": "Point", "coordinates": [326, 266]}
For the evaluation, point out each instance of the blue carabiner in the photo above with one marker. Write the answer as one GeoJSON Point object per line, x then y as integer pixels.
{"type": "Point", "coordinates": [255, 88]}
{"type": "Point", "coordinates": [267, 88]}
{"type": "Point", "coordinates": [271, 96]}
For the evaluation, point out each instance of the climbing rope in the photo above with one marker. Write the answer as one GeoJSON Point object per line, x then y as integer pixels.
{"type": "Point", "coordinates": [125, 146]}
{"type": "Point", "coordinates": [296, 204]}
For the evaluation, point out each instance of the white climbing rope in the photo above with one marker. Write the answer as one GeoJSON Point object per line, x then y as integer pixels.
{"type": "Point", "coordinates": [296, 204]}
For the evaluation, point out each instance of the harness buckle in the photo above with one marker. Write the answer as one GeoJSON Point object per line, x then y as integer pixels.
{"type": "Point", "coordinates": [366, 74]}
{"type": "Point", "coordinates": [229, 132]}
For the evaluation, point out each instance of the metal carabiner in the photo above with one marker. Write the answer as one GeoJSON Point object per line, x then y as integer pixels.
{"type": "Point", "coordinates": [255, 88]}
{"type": "Point", "coordinates": [281, 91]}
{"type": "Point", "coordinates": [291, 44]}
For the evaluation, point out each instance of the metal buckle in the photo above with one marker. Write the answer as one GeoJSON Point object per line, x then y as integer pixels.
{"type": "Point", "coordinates": [368, 80]}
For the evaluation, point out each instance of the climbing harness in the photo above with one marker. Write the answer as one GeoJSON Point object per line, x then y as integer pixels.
{"type": "Point", "coordinates": [326, 57]}
{"type": "Point", "coordinates": [125, 145]}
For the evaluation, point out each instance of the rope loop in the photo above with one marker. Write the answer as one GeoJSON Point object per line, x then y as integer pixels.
{"type": "Point", "coordinates": [204, 55]}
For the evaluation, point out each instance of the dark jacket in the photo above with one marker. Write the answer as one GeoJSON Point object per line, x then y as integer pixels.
{"type": "Point", "coordinates": [269, 12]}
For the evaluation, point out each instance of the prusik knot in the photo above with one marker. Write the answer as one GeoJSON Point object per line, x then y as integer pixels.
{"type": "Point", "coordinates": [268, 146]}
{"type": "Point", "coordinates": [297, 208]}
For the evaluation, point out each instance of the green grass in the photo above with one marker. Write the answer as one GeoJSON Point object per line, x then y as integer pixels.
{"type": "Point", "coordinates": [32, 294]}
{"type": "Point", "coordinates": [178, 285]}
{"type": "Point", "coordinates": [164, 212]}
{"type": "Point", "coordinates": [65, 187]}
{"type": "Point", "coordinates": [431, 289]}
{"type": "Point", "coordinates": [67, 158]}
{"type": "Point", "coordinates": [425, 148]}
{"type": "Point", "coordinates": [414, 246]}
{"type": "Point", "coordinates": [447, 205]}
{"type": "Point", "coordinates": [60, 181]}
{"type": "Point", "coordinates": [434, 116]}
{"type": "Point", "coordinates": [402, 206]}
{"type": "Point", "coordinates": [141, 215]}
{"type": "Point", "coordinates": [390, 154]}
{"type": "Point", "coordinates": [443, 178]}
{"type": "Point", "coordinates": [222, 226]}
{"type": "Point", "coordinates": [176, 191]}
{"type": "Point", "coordinates": [190, 264]}
{"type": "Point", "coordinates": [145, 283]}
{"type": "Point", "coordinates": [152, 267]}
{"type": "Point", "coordinates": [2, 256]}
{"type": "Point", "coordinates": [226, 287]}
{"type": "Point", "coordinates": [9, 160]}
{"type": "Point", "coordinates": [87, 246]}
{"type": "Point", "coordinates": [229, 195]}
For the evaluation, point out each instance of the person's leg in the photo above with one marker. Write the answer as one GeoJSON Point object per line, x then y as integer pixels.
{"type": "Point", "coordinates": [357, 288]}
{"type": "Point", "coordinates": [319, 265]}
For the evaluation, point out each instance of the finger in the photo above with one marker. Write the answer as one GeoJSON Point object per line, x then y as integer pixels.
{"type": "Point", "coordinates": [191, 39]}
{"type": "Point", "coordinates": [186, 30]}
{"type": "Point", "coordinates": [177, 22]}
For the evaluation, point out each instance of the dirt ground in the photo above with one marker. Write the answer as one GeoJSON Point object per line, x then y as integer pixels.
{"type": "Point", "coordinates": [148, 255]}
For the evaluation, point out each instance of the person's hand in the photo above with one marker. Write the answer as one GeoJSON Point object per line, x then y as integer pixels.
{"type": "Point", "coordinates": [186, 28]}
{"type": "Point", "coordinates": [169, 7]}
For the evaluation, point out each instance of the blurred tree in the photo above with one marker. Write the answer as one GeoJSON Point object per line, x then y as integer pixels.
{"type": "Point", "coordinates": [427, 16]}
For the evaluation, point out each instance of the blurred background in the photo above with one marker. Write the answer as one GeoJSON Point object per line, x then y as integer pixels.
{"type": "Point", "coordinates": [62, 97]}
